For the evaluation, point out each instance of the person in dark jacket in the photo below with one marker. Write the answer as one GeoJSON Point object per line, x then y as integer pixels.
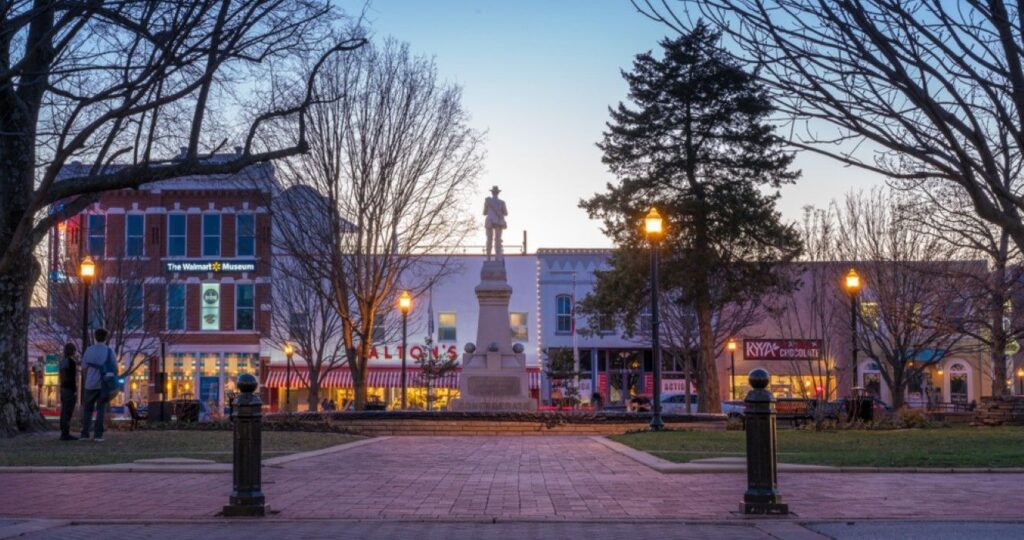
{"type": "Point", "coordinates": [68, 377]}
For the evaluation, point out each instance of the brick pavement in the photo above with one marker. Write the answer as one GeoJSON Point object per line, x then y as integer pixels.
{"type": "Point", "coordinates": [518, 478]}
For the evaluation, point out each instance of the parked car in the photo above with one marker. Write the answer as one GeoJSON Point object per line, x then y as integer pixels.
{"type": "Point", "coordinates": [733, 409]}
{"type": "Point", "coordinates": [676, 403]}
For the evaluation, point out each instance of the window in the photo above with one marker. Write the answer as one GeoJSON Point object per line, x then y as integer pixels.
{"type": "Point", "coordinates": [606, 324]}
{"type": "Point", "coordinates": [97, 234]}
{"type": "Point", "coordinates": [211, 235]}
{"type": "Point", "coordinates": [176, 235]}
{"type": "Point", "coordinates": [133, 303]}
{"type": "Point", "coordinates": [446, 326]}
{"type": "Point", "coordinates": [176, 306]}
{"type": "Point", "coordinates": [134, 225]}
{"type": "Point", "coordinates": [870, 312]}
{"type": "Point", "coordinates": [378, 334]}
{"type": "Point", "coordinates": [245, 307]}
{"type": "Point", "coordinates": [563, 314]}
{"type": "Point", "coordinates": [245, 230]}
{"type": "Point", "coordinates": [298, 323]}
{"type": "Point", "coordinates": [518, 322]}
{"type": "Point", "coordinates": [210, 306]}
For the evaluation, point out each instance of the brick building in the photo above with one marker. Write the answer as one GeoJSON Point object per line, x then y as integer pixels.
{"type": "Point", "coordinates": [182, 266]}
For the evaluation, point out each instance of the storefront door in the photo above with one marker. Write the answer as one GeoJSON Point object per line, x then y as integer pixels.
{"type": "Point", "coordinates": [625, 377]}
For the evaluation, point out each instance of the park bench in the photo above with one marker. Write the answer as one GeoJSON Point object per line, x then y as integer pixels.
{"type": "Point", "coordinates": [136, 416]}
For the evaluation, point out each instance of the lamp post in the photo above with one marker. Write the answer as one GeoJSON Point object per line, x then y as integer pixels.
{"type": "Point", "coordinates": [404, 304]}
{"type": "Point", "coordinates": [1020, 381]}
{"type": "Point", "coordinates": [853, 286]}
{"type": "Point", "coordinates": [87, 271]}
{"type": "Point", "coordinates": [288, 352]}
{"type": "Point", "coordinates": [654, 232]}
{"type": "Point", "coordinates": [731, 347]}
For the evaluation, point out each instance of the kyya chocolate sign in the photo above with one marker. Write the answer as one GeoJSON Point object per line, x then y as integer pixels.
{"type": "Point", "coordinates": [211, 266]}
{"type": "Point", "coordinates": [782, 349]}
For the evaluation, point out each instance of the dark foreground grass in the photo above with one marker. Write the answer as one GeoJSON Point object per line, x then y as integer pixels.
{"type": "Point", "coordinates": [940, 447]}
{"type": "Point", "coordinates": [128, 446]}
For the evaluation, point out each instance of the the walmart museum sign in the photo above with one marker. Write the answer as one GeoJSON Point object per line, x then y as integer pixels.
{"type": "Point", "coordinates": [211, 266]}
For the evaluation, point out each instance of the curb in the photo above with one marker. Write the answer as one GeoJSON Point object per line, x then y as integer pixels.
{"type": "Point", "coordinates": [669, 467]}
{"type": "Point", "coordinates": [214, 468]}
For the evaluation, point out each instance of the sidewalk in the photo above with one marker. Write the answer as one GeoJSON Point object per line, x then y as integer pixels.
{"type": "Point", "coordinates": [405, 530]}
{"type": "Point", "coordinates": [505, 478]}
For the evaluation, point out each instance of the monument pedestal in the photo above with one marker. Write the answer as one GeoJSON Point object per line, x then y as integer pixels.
{"type": "Point", "coordinates": [494, 374]}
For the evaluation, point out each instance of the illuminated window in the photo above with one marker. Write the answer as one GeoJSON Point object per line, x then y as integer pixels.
{"type": "Point", "coordinates": [210, 306]}
{"type": "Point", "coordinates": [134, 225]}
{"type": "Point", "coordinates": [446, 326]}
{"type": "Point", "coordinates": [518, 322]}
{"type": "Point", "coordinates": [176, 240]}
{"type": "Point", "coordinates": [871, 313]}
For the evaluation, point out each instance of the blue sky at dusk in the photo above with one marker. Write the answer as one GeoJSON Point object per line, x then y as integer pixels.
{"type": "Point", "coordinates": [538, 76]}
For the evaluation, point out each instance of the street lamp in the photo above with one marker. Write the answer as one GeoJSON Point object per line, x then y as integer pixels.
{"type": "Point", "coordinates": [87, 271]}
{"type": "Point", "coordinates": [853, 286]}
{"type": "Point", "coordinates": [288, 352]}
{"type": "Point", "coordinates": [654, 231]}
{"type": "Point", "coordinates": [731, 347]}
{"type": "Point", "coordinates": [404, 304]}
{"type": "Point", "coordinates": [1020, 380]}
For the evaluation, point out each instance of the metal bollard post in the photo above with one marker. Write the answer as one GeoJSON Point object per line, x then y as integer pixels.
{"type": "Point", "coordinates": [247, 499]}
{"type": "Point", "coordinates": [762, 496]}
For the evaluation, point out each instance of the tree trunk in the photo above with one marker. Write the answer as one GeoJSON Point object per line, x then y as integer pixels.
{"type": "Point", "coordinates": [997, 349]}
{"type": "Point", "coordinates": [707, 369]}
{"type": "Point", "coordinates": [313, 400]}
{"type": "Point", "coordinates": [898, 389]}
{"type": "Point", "coordinates": [18, 412]}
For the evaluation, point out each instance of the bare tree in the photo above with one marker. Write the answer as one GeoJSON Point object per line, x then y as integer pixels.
{"type": "Point", "coordinates": [120, 301]}
{"type": "Point", "coordinates": [909, 311]}
{"type": "Point", "coordinates": [304, 316]}
{"type": "Point", "coordinates": [127, 82]}
{"type": "Point", "coordinates": [391, 162]}
{"type": "Point", "coordinates": [944, 212]}
{"type": "Point", "coordinates": [915, 91]}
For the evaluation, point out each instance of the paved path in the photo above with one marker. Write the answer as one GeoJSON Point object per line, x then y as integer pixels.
{"type": "Point", "coordinates": [509, 478]}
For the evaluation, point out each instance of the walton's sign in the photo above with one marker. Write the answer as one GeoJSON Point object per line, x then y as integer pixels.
{"type": "Point", "coordinates": [782, 349]}
{"type": "Point", "coordinates": [211, 266]}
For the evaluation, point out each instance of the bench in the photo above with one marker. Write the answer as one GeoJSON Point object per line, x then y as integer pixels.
{"type": "Point", "coordinates": [133, 411]}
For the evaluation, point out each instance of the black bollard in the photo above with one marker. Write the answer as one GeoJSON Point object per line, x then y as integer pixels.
{"type": "Point", "coordinates": [247, 499]}
{"type": "Point", "coordinates": [762, 496]}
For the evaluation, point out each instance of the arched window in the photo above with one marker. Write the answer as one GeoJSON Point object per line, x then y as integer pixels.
{"type": "Point", "coordinates": [563, 314]}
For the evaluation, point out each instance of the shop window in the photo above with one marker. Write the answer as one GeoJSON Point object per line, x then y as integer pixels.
{"type": "Point", "coordinates": [518, 322]}
{"type": "Point", "coordinates": [176, 306]}
{"type": "Point", "coordinates": [97, 235]}
{"type": "Point", "coordinates": [563, 314]}
{"type": "Point", "coordinates": [245, 227]}
{"type": "Point", "coordinates": [176, 238]}
{"type": "Point", "coordinates": [211, 235]}
{"type": "Point", "coordinates": [446, 326]}
{"type": "Point", "coordinates": [245, 307]}
{"type": "Point", "coordinates": [134, 226]}
{"type": "Point", "coordinates": [133, 300]}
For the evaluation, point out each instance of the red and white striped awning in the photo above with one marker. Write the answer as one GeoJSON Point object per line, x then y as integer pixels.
{"type": "Point", "coordinates": [376, 378]}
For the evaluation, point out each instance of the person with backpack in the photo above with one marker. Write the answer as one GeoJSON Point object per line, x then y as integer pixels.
{"type": "Point", "coordinates": [68, 372]}
{"type": "Point", "coordinates": [100, 383]}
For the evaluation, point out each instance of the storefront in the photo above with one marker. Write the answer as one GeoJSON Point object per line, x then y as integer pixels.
{"type": "Point", "coordinates": [383, 386]}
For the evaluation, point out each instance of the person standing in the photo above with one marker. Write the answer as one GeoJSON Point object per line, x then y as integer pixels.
{"type": "Point", "coordinates": [68, 377]}
{"type": "Point", "coordinates": [100, 367]}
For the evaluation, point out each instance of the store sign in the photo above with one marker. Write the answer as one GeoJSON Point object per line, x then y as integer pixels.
{"type": "Point", "coordinates": [416, 352]}
{"type": "Point", "coordinates": [782, 349]}
{"type": "Point", "coordinates": [211, 266]}
{"type": "Point", "coordinates": [210, 306]}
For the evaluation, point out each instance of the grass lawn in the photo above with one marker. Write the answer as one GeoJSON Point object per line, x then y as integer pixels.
{"type": "Point", "coordinates": [128, 446]}
{"type": "Point", "coordinates": [940, 447]}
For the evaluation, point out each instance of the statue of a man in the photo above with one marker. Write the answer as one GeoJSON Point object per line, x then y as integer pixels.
{"type": "Point", "coordinates": [494, 209]}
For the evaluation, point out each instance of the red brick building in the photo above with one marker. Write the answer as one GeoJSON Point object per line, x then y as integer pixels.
{"type": "Point", "coordinates": [188, 262]}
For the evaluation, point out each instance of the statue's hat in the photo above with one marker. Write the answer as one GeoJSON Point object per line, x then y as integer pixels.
{"type": "Point", "coordinates": [495, 190]}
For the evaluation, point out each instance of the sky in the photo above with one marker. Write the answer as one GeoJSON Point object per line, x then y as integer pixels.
{"type": "Point", "coordinates": [538, 78]}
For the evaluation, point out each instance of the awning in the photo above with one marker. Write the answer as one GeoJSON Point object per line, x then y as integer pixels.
{"type": "Point", "coordinates": [376, 378]}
